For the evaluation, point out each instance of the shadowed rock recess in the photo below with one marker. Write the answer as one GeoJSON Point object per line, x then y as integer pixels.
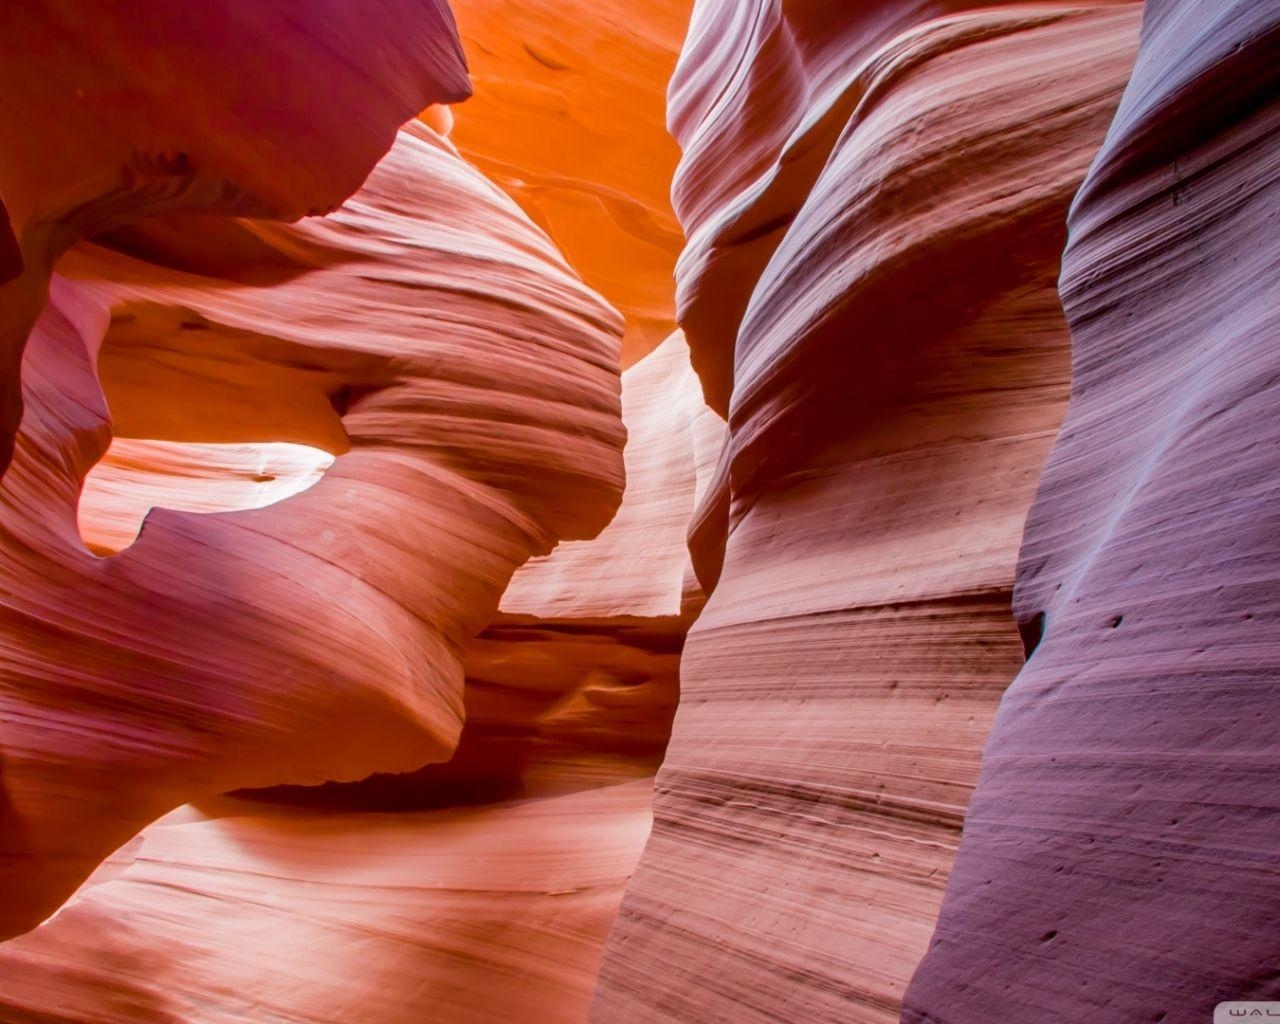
{"type": "Point", "coordinates": [676, 512]}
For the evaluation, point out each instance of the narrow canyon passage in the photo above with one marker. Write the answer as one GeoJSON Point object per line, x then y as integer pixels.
{"type": "Point", "coordinates": [517, 511]}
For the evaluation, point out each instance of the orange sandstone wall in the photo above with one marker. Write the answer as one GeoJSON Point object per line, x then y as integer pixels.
{"type": "Point", "coordinates": [424, 378]}
{"type": "Point", "coordinates": [429, 337]}
{"type": "Point", "coordinates": [569, 117]}
{"type": "Point", "coordinates": [478, 890]}
{"type": "Point", "coordinates": [242, 911]}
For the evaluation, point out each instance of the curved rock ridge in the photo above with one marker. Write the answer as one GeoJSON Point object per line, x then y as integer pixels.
{"type": "Point", "coordinates": [568, 117]}
{"type": "Point", "coordinates": [1119, 861]}
{"type": "Point", "coordinates": [756, 133]}
{"type": "Point", "coordinates": [429, 336]}
{"type": "Point", "coordinates": [875, 197]}
{"type": "Point", "coordinates": [477, 890]}
{"type": "Point", "coordinates": [573, 683]}
{"type": "Point", "coordinates": [118, 113]}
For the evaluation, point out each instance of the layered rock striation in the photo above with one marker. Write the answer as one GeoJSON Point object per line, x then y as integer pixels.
{"type": "Point", "coordinates": [875, 198]}
{"type": "Point", "coordinates": [335, 663]}
{"type": "Point", "coordinates": [114, 115]}
{"type": "Point", "coordinates": [271, 480]}
{"type": "Point", "coordinates": [1119, 861]}
{"type": "Point", "coordinates": [481, 888]}
{"type": "Point", "coordinates": [243, 911]}
{"type": "Point", "coordinates": [430, 339]}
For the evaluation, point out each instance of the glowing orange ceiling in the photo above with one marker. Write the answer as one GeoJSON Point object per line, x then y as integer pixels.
{"type": "Point", "coordinates": [569, 117]}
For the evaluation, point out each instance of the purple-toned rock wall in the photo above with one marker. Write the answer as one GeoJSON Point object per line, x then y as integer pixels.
{"type": "Point", "coordinates": [1121, 857]}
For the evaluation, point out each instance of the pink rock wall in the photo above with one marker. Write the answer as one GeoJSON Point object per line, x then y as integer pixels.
{"type": "Point", "coordinates": [335, 756]}
{"type": "Point", "coordinates": [428, 336]}
{"type": "Point", "coordinates": [875, 198]}
{"type": "Point", "coordinates": [241, 911]}
{"type": "Point", "coordinates": [480, 889]}
{"type": "Point", "coordinates": [1120, 861]}
{"type": "Point", "coordinates": [450, 392]}
{"type": "Point", "coordinates": [114, 114]}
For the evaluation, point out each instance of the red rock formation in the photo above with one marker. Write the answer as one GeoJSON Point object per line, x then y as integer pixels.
{"type": "Point", "coordinates": [477, 890]}
{"type": "Point", "coordinates": [430, 350]}
{"type": "Point", "coordinates": [1120, 861]}
{"type": "Point", "coordinates": [875, 197]}
{"type": "Point", "coordinates": [116, 113]}
{"type": "Point", "coordinates": [247, 912]}
{"type": "Point", "coordinates": [343, 439]}
{"type": "Point", "coordinates": [430, 337]}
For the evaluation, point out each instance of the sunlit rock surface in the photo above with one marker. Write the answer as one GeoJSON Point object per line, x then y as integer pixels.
{"type": "Point", "coordinates": [135, 476]}
{"type": "Point", "coordinates": [569, 117]}
{"type": "Point", "coordinates": [639, 565]}
{"type": "Point", "coordinates": [245, 912]}
{"type": "Point", "coordinates": [876, 203]}
{"type": "Point", "coordinates": [1120, 860]}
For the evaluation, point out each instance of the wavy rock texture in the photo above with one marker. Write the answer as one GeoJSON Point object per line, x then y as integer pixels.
{"type": "Point", "coordinates": [113, 114]}
{"type": "Point", "coordinates": [569, 118]}
{"type": "Point", "coordinates": [875, 197]}
{"type": "Point", "coordinates": [429, 337]}
{"type": "Point", "coordinates": [262, 530]}
{"type": "Point", "coordinates": [251, 913]}
{"type": "Point", "coordinates": [481, 889]}
{"type": "Point", "coordinates": [426, 382]}
{"type": "Point", "coordinates": [1120, 860]}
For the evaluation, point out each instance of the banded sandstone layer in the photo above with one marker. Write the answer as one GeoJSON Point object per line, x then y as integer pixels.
{"type": "Point", "coordinates": [480, 889]}
{"type": "Point", "coordinates": [115, 114]}
{"type": "Point", "coordinates": [1120, 861]}
{"type": "Point", "coordinates": [286, 644]}
{"type": "Point", "coordinates": [875, 199]}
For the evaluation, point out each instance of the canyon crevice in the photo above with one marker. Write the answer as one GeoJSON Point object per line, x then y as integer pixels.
{"type": "Point", "coordinates": [682, 513]}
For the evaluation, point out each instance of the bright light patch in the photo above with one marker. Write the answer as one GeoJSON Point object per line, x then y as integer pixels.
{"type": "Point", "coordinates": [135, 476]}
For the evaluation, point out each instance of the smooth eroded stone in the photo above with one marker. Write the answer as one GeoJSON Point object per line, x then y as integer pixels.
{"type": "Point", "coordinates": [1120, 861]}
{"type": "Point", "coordinates": [430, 338]}
{"type": "Point", "coordinates": [875, 196]}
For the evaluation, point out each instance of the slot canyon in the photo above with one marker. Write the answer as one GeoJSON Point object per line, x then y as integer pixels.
{"type": "Point", "coordinates": [671, 512]}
